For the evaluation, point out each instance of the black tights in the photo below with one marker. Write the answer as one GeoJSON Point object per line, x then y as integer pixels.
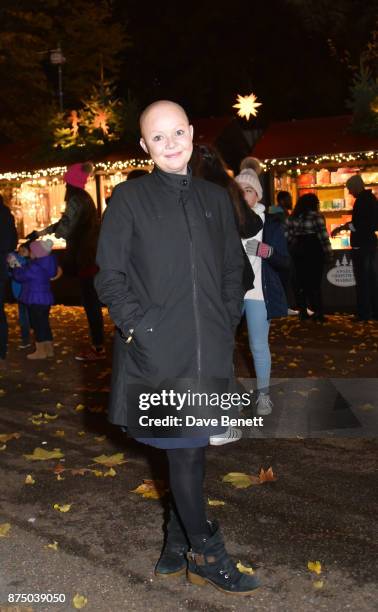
{"type": "Point", "coordinates": [186, 477]}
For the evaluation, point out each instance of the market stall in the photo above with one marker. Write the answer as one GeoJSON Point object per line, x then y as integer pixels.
{"type": "Point", "coordinates": [319, 155]}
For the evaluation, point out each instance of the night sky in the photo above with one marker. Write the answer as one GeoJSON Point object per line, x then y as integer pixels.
{"type": "Point", "coordinates": [204, 53]}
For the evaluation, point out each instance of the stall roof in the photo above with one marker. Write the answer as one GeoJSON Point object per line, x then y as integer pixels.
{"type": "Point", "coordinates": [26, 156]}
{"type": "Point", "coordinates": [302, 137]}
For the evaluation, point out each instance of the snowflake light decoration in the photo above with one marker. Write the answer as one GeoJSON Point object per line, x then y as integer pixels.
{"type": "Point", "coordinates": [247, 106]}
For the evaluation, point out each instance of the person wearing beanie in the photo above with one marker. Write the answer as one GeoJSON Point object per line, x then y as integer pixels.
{"type": "Point", "coordinates": [269, 258]}
{"type": "Point", "coordinates": [363, 240]}
{"type": "Point", "coordinates": [80, 226]}
{"type": "Point", "coordinates": [36, 293]}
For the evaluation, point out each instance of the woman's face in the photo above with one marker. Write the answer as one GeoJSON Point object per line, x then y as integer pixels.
{"type": "Point", "coordinates": [250, 195]}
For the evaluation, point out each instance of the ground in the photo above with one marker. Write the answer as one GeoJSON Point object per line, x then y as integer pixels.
{"type": "Point", "coordinates": [321, 507]}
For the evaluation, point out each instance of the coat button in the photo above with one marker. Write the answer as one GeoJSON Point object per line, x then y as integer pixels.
{"type": "Point", "coordinates": [185, 182]}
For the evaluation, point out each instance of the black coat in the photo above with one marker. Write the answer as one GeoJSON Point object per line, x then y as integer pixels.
{"type": "Point", "coordinates": [171, 267]}
{"type": "Point", "coordinates": [8, 238]}
{"type": "Point", "coordinates": [275, 269]}
{"type": "Point", "coordinates": [365, 221]}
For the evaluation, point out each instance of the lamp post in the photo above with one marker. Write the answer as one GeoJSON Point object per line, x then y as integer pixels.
{"type": "Point", "coordinates": [57, 58]}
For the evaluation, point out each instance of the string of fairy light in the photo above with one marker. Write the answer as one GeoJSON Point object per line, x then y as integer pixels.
{"type": "Point", "coordinates": [326, 158]}
{"type": "Point", "coordinates": [57, 171]}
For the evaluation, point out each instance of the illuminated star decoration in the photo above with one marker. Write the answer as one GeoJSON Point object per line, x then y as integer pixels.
{"type": "Point", "coordinates": [247, 106]}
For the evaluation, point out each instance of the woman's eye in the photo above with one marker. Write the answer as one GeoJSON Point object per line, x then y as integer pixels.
{"type": "Point", "coordinates": [156, 138]}
{"type": "Point", "coordinates": [180, 132]}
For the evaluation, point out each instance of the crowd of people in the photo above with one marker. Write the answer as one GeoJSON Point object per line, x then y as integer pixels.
{"type": "Point", "coordinates": [182, 253]}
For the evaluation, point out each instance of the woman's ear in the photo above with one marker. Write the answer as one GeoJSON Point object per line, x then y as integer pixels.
{"type": "Point", "coordinates": [143, 145]}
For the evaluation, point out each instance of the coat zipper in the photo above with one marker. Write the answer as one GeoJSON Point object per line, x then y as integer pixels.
{"type": "Point", "coordinates": [195, 286]}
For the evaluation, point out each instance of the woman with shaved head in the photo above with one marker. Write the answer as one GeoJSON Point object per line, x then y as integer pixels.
{"type": "Point", "coordinates": [171, 270]}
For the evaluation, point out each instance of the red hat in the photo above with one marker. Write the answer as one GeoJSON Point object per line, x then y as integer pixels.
{"type": "Point", "coordinates": [77, 174]}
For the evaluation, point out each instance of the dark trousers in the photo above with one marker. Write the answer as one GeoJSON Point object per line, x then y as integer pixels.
{"type": "Point", "coordinates": [3, 321]}
{"type": "Point", "coordinates": [39, 319]}
{"type": "Point", "coordinates": [92, 307]}
{"type": "Point", "coordinates": [364, 268]}
{"type": "Point", "coordinates": [308, 258]}
{"type": "Point", "coordinates": [24, 322]}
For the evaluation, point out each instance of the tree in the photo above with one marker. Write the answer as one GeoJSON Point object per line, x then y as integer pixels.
{"type": "Point", "coordinates": [91, 43]}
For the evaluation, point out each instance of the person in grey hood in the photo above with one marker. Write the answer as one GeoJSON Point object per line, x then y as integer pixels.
{"type": "Point", "coordinates": [170, 273]}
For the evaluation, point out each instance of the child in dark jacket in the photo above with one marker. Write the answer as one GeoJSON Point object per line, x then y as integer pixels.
{"type": "Point", "coordinates": [16, 259]}
{"type": "Point", "coordinates": [37, 295]}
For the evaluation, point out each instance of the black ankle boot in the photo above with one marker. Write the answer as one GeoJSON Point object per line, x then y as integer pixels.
{"type": "Point", "coordinates": [173, 561]}
{"type": "Point", "coordinates": [208, 561]}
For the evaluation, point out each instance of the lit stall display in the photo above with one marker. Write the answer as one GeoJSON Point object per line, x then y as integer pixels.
{"type": "Point", "coordinates": [318, 156]}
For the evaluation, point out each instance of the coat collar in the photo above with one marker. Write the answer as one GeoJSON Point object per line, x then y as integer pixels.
{"type": "Point", "coordinates": [172, 182]}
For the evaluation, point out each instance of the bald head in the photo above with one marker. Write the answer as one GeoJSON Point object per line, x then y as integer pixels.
{"type": "Point", "coordinates": [158, 109]}
{"type": "Point", "coordinates": [167, 136]}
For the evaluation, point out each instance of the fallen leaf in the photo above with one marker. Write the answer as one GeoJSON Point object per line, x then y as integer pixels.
{"type": "Point", "coordinates": [315, 566]}
{"type": "Point", "coordinates": [53, 546]}
{"type": "Point", "coordinates": [4, 529]}
{"type": "Point", "coordinates": [367, 407]}
{"type": "Point", "coordinates": [151, 489]}
{"type": "Point", "coordinates": [59, 433]}
{"type": "Point", "coordinates": [111, 472]}
{"type": "Point", "coordinates": [79, 601]}
{"type": "Point", "coordinates": [3, 447]}
{"type": "Point", "coordinates": [6, 437]}
{"type": "Point", "coordinates": [96, 409]}
{"type": "Point", "coordinates": [40, 454]}
{"type": "Point", "coordinates": [318, 584]}
{"type": "Point", "coordinates": [215, 502]}
{"type": "Point", "coordinates": [267, 476]}
{"type": "Point", "coordinates": [244, 570]}
{"type": "Point", "coordinates": [59, 477]}
{"type": "Point", "coordinates": [100, 438]}
{"type": "Point", "coordinates": [240, 480]}
{"type": "Point", "coordinates": [80, 407]}
{"type": "Point", "coordinates": [63, 508]}
{"type": "Point", "coordinates": [50, 417]}
{"type": "Point", "coordinates": [80, 471]}
{"type": "Point", "coordinates": [29, 479]}
{"type": "Point", "coordinates": [110, 460]}
{"type": "Point", "coordinates": [58, 405]}
{"type": "Point", "coordinates": [81, 433]}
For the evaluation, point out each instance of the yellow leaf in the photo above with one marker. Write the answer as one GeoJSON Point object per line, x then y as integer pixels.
{"type": "Point", "coordinates": [292, 364]}
{"type": "Point", "coordinates": [53, 546]}
{"type": "Point", "coordinates": [96, 409]}
{"type": "Point", "coordinates": [244, 570]}
{"type": "Point", "coordinates": [4, 529]}
{"type": "Point", "coordinates": [80, 407]}
{"type": "Point", "coordinates": [81, 433]}
{"type": "Point", "coordinates": [40, 454]}
{"type": "Point", "coordinates": [59, 433]}
{"type": "Point", "coordinates": [367, 407]}
{"type": "Point", "coordinates": [63, 508]}
{"type": "Point", "coordinates": [267, 476]}
{"type": "Point", "coordinates": [110, 472]}
{"type": "Point", "coordinates": [6, 437]}
{"type": "Point", "coordinates": [29, 479]}
{"type": "Point", "coordinates": [318, 584]}
{"type": "Point", "coordinates": [315, 566]}
{"type": "Point", "coordinates": [98, 473]}
{"type": "Point", "coordinates": [79, 601]}
{"type": "Point", "coordinates": [50, 417]}
{"type": "Point", "coordinates": [100, 438]}
{"type": "Point", "coordinates": [3, 447]}
{"type": "Point", "coordinates": [110, 460]}
{"type": "Point", "coordinates": [59, 477]}
{"type": "Point", "coordinates": [59, 405]}
{"type": "Point", "coordinates": [215, 502]}
{"type": "Point", "coordinates": [240, 480]}
{"type": "Point", "coordinates": [2, 392]}
{"type": "Point", "coordinates": [151, 489]}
